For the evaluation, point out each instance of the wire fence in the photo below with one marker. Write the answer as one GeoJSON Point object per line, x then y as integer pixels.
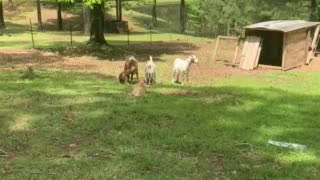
{"type": "Point", "coordinates": [22, 27]}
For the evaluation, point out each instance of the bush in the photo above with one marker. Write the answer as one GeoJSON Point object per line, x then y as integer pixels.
{"type": "Point", "coordinates": [29, 74]}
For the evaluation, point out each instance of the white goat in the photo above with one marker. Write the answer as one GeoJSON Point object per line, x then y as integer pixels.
{"type": "Point", "coordinates": [182, 67]}
{"type": "Point", "coordinates": [150, 71]}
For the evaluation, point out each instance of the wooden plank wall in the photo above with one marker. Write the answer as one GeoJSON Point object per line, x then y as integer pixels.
{"type": "Point", "coordinates": [295, 49]}
{"type": "Point", "coordinates": [251, 53]}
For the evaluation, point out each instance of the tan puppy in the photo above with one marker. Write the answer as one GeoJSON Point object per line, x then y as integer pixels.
{"type": "Point", "coordinates": [139, 90]}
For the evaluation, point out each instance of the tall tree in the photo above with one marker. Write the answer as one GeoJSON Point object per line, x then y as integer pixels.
{"type": "Point", "coordinates": [39, 14]}
{"type": "Point", "coordinates": [2, 24]}
{"type": "Point", "coordinates": [86, 19]}
{"type": "Point", "coordinates": [59, 15]}
{"type": "Point", "coordinates": [154, 12]}
{"type": "Point", "coordinates": [97, 22]}
{"type": "Point", "coordinates": [119, 10]}
{"type": "Point", "coordinates": [182, 16]}
{"type": "Point", "coordinates": [313, 11]}
{"type": "Point", "coordinates": [10, 3]}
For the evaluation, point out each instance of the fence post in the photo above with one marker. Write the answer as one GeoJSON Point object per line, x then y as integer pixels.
{"type": "Point", "coordinates": [170, 30]}
{"type": "Point", "coordinates": [128, 34]}
{"type": "Point", "coordinates": [151, 33]}
{"type": "Point", "coordinates": [217, 31]}
{"type": "Point", "coordinates": [71, 34]}
{"type": "Point", "coordinates": [31, 31]}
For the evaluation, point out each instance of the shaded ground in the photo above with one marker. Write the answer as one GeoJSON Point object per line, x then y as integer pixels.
{"type": "Point", "coordinates": [164, 54]}
{"type": "Point", "coordinates": [24, 11]}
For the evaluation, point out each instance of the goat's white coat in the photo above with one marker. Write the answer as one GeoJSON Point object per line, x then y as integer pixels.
{"type": "Point", "coordinates": [150, 71]}
{"type": "Point", "coordinates": [182, 67]}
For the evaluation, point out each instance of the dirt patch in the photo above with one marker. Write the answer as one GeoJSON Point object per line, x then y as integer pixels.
{"type": "Point", "coordinates": [23, 11]}
{"type": "Point", "coordinates": [164, 54]}
{"type": "Point", "coordinates": [314, 66]}
{"type": "Point", "coordinates": [20, 59]}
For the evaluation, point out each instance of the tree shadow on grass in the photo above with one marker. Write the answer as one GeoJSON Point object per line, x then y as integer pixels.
{"type": "Point", "coordinates": [162, 132]}
{"type": "Point", "coordinates": [18, 59]}
{"type": "Point", "coordinates": [13, 28]}
{"type": "Point", "coordinates": [140, 50]}
{"type": "Point", "coordinates": [168, 15]}
{"type": "Point", "coordinates": [75, 22]}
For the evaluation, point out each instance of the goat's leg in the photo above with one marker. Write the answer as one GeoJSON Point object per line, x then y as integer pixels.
{"type": "Point", "coordinates": [146, 78]}
{"type": "Point", "coordinates": [178, 76]}
{"type": "Point", "coordinates": [187, 76]}
{"type": "Point", "coordinates": [183, 77]}
{"type": "Point", "coordinates": [174, 76]}
{"type": "Point", "coordinates": [128, 78]}
{"type": "Point", "coordinates": [137, 74]}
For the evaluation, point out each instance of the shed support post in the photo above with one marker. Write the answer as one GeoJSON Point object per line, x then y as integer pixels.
{"type": "Point", "coordinates": [284, 51]}
{"type": "Point", "coordinates": [313, 45]}
{"type": "Point", "coordinates": [236, 52]}
{"type": "Point", "coordinates": [214, 56]}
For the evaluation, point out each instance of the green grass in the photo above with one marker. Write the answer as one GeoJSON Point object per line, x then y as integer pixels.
{"type": "Point", "coordinates": [17, 32]}
{"type": "Point", "coordinates": [77, 126]}
{"type": "Point", "coordinates": [55, 39]}
{"type": "Point", "coordinates": [66, 125]}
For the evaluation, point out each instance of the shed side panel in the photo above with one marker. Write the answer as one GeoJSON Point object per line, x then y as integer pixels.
{"type": "Point", "coordinates": [295, 49]}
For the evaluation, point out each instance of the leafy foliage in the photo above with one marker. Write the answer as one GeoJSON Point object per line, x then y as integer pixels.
{"type": "Point", "coordinates": [208, 14]}
{"type": "Point", "coordinates": [29, 74]}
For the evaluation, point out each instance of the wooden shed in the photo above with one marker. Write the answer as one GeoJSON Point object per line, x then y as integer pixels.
{"type": "Point", "coordinates": [280, 44]}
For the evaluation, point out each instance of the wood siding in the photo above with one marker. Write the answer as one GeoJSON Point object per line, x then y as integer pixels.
{"type": "Point", "coordinates": [295, 49]}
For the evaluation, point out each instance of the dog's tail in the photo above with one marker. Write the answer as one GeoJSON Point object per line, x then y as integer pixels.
{"type": "Point", "coordinates": [151, 58]}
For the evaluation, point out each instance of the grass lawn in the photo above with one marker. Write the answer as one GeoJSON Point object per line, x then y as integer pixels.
{"type": "Point", "coordinates": [17, 35]}
{"type": "Point", "coordinates": [69, 125]}
{"type": "Point", "coordinates": [78, 126]}
{"type": "Point", "coordinates": [52, 39]}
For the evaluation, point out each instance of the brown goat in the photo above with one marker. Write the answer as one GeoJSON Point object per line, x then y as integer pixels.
{"type": "Point", "coordinates": [130, 69]}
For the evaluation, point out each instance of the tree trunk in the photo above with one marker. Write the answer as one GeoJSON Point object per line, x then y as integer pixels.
{"type": "Point", "coordinates": [10, 3]}
{"type": "Point", "coordinates": [154, 13]}
{"type": "Point", "coordinates": [2, 24]}
{"type": "Point", "coordinates": [120, 10]}
{"type": "Point", "coordinates": [117, 10]}
{"type": "Point", "coordinates": [59, 16]}
{"type": "Point", "coordinates": [86, 20]}
{"type": "Point", "coordinates": [39, 15]}
{"type": "Point", "coordinates": [97, 24]}
{"type": "Point", "coordinates": [313, 10]}
{"type": "Point", "coordinates": [182, 16]}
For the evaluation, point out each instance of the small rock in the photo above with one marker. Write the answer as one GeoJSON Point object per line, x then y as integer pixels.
{"type": "Point", "coordinates": [72, 145]}
{"type": "Point", "coordinates": [66, 156]}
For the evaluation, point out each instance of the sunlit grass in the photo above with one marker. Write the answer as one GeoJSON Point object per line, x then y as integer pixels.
{"type": "Point", "coordinates": [55, 39]}
{"type": "Point", "coordinates": [63, 120]}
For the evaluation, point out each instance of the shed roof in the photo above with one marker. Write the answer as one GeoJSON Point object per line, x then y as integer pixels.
{"type": "Point", "coordinates": [282, 25]}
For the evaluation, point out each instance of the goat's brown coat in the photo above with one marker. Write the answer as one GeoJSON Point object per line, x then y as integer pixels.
{"type": "Point", "coordinates": [130, 69]}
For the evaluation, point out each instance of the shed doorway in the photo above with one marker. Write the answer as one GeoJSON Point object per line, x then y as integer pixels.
{"type": "Point", "coordinates": [272, 48]}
